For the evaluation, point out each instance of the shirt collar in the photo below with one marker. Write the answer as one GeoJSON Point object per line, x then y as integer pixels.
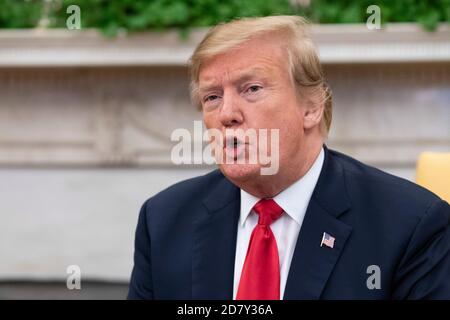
{"type": "Point", "coordinates": [293, 200]}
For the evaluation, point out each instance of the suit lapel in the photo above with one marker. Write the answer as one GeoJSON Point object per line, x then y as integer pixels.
{"type": "Point", "coordinates": [214, 243]}
{"type": "Point", "coordinates": [312, 264]}
{"type": "Point", "coordinates": [214, 246]}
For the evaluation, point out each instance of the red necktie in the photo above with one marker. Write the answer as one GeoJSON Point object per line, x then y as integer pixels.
{"type": "Point", "coordinates": [260, 277]}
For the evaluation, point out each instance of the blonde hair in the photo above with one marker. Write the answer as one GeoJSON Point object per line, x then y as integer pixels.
{"type": "Point", "coordinates": [306, 71]}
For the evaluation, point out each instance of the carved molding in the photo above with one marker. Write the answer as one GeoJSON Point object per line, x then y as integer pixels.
{"type": "Point", "coordinates": [336, 43]}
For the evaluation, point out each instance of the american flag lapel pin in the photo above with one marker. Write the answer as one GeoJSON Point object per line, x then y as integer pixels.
{"type": "Point", "coordinates": [327, 240]}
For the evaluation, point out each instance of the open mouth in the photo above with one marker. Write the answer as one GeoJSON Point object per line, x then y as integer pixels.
{"type": "Point", "coordinates": [234, 147]}
{"type": "Point", "coordinates": [232, 142]}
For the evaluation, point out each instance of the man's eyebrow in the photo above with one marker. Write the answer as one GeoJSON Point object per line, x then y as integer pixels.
{"type": "Point", "coordinates": [241, 77]}
{"type": "Point", "coordinates": [208, 87]}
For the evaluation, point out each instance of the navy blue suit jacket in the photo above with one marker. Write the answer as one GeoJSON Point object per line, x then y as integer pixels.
{"type": "Point", "coordinates": [186, 239]}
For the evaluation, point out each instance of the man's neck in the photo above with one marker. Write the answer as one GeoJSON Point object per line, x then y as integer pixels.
{"type": "Point", "coordinates": [270, 186]}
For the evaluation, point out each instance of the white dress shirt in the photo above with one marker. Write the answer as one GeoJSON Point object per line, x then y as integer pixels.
{"type": "Point", "coordinates": [294, 201]}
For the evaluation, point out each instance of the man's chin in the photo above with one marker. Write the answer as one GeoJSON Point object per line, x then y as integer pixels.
{"type": "Point", "coordinates": [240, 172]}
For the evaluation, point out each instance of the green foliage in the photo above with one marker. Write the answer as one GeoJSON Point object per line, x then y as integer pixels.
{"type": "Point", "coordinates": [426, 12]}
{"type": "Point", "coordinates": [20, 13]}
{"type": "Point", "coordinates": [113, 16]}
{"type": "Point", "coordinates": [136, 15]}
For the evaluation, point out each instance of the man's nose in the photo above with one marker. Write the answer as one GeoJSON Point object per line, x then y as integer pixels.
{"type": "Point", "coordinates": [230, 113]}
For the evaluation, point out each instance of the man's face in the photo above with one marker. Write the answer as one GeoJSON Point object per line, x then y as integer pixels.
{"type": "Point", "coordinates": [250, 88]}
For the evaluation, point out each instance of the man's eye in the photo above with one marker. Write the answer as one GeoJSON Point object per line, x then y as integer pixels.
{"type": "Point", "coordinates": [210, 98]}
{"type": "Point", "coordinates": [253, 89]}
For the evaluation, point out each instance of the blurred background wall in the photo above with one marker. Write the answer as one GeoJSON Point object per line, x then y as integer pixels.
{"type": "Point", "coordinates": [86, 117]}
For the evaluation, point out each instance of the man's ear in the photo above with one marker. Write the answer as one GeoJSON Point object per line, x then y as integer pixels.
{"type": "Point", "coordinates": [312, 115]}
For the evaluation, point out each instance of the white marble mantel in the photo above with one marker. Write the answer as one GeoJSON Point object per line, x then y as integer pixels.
{"type": "Point", "coordinates": [85, 126]}
{"type": "Point", "coordinates": [337, 44]}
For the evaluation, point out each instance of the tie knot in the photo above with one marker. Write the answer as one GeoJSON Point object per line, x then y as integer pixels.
{"type": "Point", "coordinates": [268, 211]}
